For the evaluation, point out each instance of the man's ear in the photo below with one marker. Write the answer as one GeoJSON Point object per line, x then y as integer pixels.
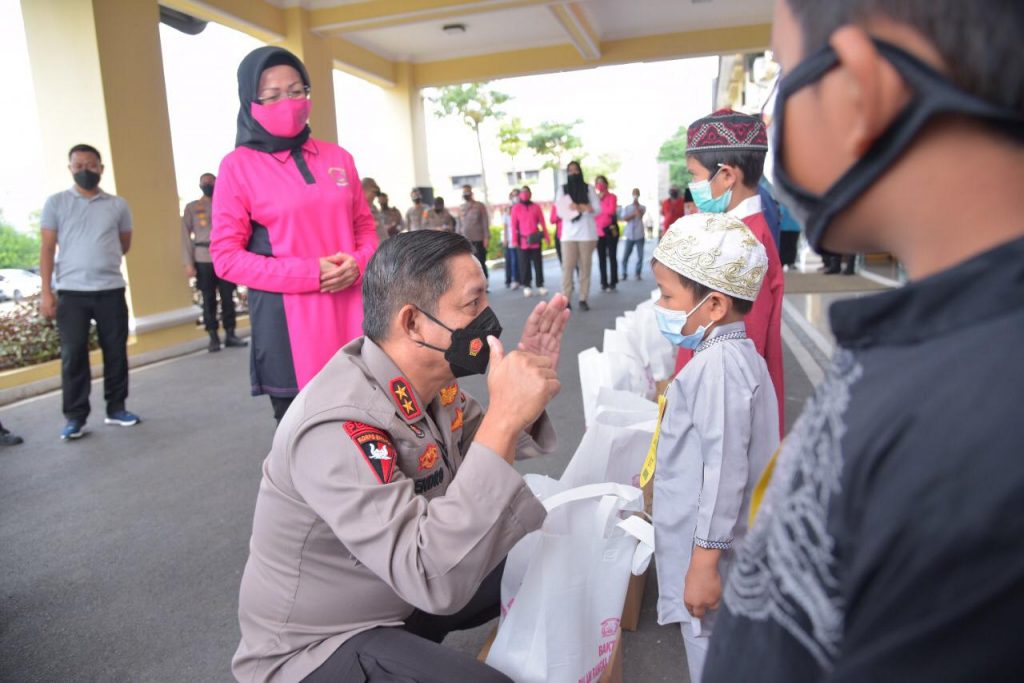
{"type": "Point", "coordinates": [871, 90]}
{"type": "Point", "coordinates": [408, 322]}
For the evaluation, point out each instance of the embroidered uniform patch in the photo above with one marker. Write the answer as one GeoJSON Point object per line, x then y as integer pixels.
{"type": "Point", "coordinates": [428, 482]}
{"type": "Point", "coordinates": [403, 397]}
{"type": "Point", "coordinates": [448, 394]}
{"type": "Point", "coordinates": [429, 458]}
{"type": "Point", "coordinates": [457, 420]}
{"type": "Point", "coordinates": [417, 430]}
{"type": "Point", "coordinates": [475, 347]}
{"type": "Point", "coordinates": [376, 447]}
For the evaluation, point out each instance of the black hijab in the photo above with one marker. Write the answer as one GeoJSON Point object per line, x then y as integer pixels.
{"type": "Point", "coordinates": [576, 187]}
{"type": "Point", "coordinates": [250, 132]}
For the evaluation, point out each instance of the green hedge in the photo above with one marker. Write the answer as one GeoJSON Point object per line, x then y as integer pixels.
{"type": "Point", "coordinates": [494, 250]}
{"type": "Point", "coordinates": [27, 338]}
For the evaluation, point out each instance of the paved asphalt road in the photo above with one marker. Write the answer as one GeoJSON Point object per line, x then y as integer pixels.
{"type": "Point", "coordinates": [121, 554]}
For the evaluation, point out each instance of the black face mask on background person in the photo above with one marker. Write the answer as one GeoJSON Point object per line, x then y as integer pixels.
{"type": "Point", "coordinates": [933, 96]}
{"type": "Point", "coordinates": [467, 196]}
{"type": "Point", "coordinates": [86, 179]}
{"type": "Point", "coordinates": [417, 200]}
{"type": "Point", "coordinates": [207, 189]}
{"type": "Point", "coordinates": [469, 351]}
{"type": "Point", "coordinates": [674, 194]}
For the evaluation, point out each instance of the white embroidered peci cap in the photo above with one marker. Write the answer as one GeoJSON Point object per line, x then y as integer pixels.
{"type": "Point", "coordinates": [716, 250]}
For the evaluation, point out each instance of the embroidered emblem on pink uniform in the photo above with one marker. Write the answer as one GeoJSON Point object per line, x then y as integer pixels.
{"type": "Point", "coordinates": [338, 175]}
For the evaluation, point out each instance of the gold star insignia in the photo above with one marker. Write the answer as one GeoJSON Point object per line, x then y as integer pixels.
{"type": "Point", "coordinates": [407, 406]}
{"type": "Point", "coordinates": [401, 391]}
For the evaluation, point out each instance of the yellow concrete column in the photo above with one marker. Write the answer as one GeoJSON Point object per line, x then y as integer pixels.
{"type": "Point", "coordinates": [99, 79]}
{"type": "Point", "coordinates": [418, 123]}
{"type": "Point", "coordinates": [315, 52]}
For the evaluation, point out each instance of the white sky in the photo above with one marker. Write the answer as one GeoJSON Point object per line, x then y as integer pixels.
{"type": "Point", "coordinates": [628, 111]}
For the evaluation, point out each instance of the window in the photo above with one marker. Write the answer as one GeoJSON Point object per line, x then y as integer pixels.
{"type": "Point", "coordinates": [472, 180]}
{"type": "Point", "coordinates": [520, 177]}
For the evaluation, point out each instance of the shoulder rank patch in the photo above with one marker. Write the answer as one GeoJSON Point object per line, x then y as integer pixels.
{"type": "Point", "coordinates": [376, 448]}
{"type": "Point", "coordinates": [401, 394]}
{"type": "Point", "coordinates": [448, 394]}
{"type": "Point", "coordinates": [457, 420]}
{"type": "Point", "coordinates": [429, 458]}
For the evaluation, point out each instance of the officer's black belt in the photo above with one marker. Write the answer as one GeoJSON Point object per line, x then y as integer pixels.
{"type": "Point", "coordinates": [201, 244]}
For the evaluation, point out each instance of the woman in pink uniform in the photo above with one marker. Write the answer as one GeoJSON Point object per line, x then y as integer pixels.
{"type": "Point", "coordinates": [290, 222]}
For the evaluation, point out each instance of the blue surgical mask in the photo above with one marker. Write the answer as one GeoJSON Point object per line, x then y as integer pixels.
{"type": "Point", "coordinates": [671, 324]}
{"type": "Point", "coordinates": [701, 192]}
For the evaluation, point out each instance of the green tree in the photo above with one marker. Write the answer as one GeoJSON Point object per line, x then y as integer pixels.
{"type": "Point", "coordinates": [605, 164]}
{"type": "Point", "coordinates": [673, 151]}
{"type": "Point", "coordinates": [512, 138]}
{"type": "Point", "coordinates": [553, 141]}
{"type": "Point", "coordinates": [17, 250]}
{"type": "Point", "coordinates": [474, 103]}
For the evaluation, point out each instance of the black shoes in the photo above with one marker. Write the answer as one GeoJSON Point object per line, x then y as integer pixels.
{"type": "Point", "coordinates": [584, 306]}
{"type": "Point", "coordinates": [8, 439]}
{"type": "Point", "coordinates": [232, 341]}
{"type": "Point", "coordinates": [214, 343]}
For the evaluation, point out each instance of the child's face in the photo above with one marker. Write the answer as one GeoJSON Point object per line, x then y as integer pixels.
{"type": "Point", "coordinates": [721, 178]}
{"type": "Point", "coordinates": [676, 297]}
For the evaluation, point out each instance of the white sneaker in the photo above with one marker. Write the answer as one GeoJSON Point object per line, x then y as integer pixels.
{"type": "Point", "coordinates": [515, 285]}
{"type": "Point", "coordinates": [527, 292]}
{"type": "Point", "coordinates": [542, 291]}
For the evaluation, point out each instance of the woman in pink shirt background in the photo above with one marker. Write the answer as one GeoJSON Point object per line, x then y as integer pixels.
{"type": "Point", "coordinates": [607, 235]}
{"type": "Point", "coordinates": [528, 231]}
{"type": "Point", "coordinates": [291, 223]}
{"type": "Point", "coordinates": [556, 221]}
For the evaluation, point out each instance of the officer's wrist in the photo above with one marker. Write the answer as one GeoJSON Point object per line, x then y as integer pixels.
{"type": "Point", "coordinates": [499, 434]}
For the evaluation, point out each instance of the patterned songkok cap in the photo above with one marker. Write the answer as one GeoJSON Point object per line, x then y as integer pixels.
{"type": "Point", "coordinates": [716, 250]}
{"type": "Point", "coordinates": [727, 129]}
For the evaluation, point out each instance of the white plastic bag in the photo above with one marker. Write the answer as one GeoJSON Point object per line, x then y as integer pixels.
{"type": "Point", "coordinates": [564, 622]}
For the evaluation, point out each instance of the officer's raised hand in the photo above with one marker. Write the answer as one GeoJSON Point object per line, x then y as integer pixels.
{"type": "Point", "coordinates": [520, 385]}
{"type": "Point", "coordinates": [543, 331]}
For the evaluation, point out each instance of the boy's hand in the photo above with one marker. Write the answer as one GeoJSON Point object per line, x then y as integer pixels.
{"type": "Point", "coordinates": [703, 588]}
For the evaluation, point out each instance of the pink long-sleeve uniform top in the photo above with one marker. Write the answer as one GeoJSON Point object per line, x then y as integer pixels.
{"type": "Point", "coordinates": [526, 220]}
{"type": "Point", "coordinates": [272, 222]}
{"type": "Point", "coordinates": [606, 216]}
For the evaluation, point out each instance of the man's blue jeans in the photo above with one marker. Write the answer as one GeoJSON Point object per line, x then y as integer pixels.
{"type": "Point", "coordinates": [639, 244]}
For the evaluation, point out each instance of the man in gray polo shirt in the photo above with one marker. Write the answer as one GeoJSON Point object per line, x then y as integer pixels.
{"type": "Point", "coordinates": [88, 231]}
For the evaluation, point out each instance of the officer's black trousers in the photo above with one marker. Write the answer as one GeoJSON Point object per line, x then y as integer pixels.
{"type": "Point", "coordinates": [607, 258]}
{"type": "Point", "coordinates": [413, 653]}
{"type": "Point", "coordinates": [210, 285]}
{"type": "Point", "coordinates": [480, 251]}
{"type": "Point", "coordinates": [75, 313]}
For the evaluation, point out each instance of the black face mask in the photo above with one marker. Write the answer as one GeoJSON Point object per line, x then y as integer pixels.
{"type": "Point", "coordinates": [416, 200]}
{"type": "Point", "coordinates": [207, 189]}
{"type": "Point", "coordinates": [467, 196]}
{"type": "Point", "coordinates": [86, 179]}
{"type": "Point", "coordinates": [674, 194]}
{"type": "Point", "coordinates": [933, 96]}
{"type": "Point", "coordinates": [469, 351]}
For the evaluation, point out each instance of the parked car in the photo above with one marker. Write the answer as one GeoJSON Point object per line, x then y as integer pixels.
{"type": "Point", "coordinates": [17, 284]}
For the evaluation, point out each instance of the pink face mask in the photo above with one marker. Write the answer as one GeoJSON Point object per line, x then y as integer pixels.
{"type": "Point", "coordinates": [284, 119]}
{"type": "Point", "coordinates": [524, 196]}
{"type": "Point", "coordinates": [601, 187]}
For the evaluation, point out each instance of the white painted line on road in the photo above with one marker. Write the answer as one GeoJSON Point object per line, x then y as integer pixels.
{"type": "Point", "coordinates": [812, 332]}
{"type": "Point", "coordinates": [810, 367]}
{"type": "Point", "coordinates": [880, 279]}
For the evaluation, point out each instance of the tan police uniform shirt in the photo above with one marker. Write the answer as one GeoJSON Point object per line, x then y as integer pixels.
{"type": "Point", "coordinates": [439, 221]}
{"type": "Point", "coordinates": [371, 505]}
{"type": "Point", "coordinates": [474, 221]}
{"type": "Point", "coordinates": [415, 217]}
{"type": "Point", "coordinates": [196, 223]}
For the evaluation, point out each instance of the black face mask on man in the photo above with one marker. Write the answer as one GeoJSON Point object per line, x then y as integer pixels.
{"type": "Point", "coordinates": [933, 96]}
{"type": "Point", "coordinates": [207, 189]}
{"type": "Point", "coordinates": [86, 179]}
{"type": "Point", "coordinates": [469, 351]}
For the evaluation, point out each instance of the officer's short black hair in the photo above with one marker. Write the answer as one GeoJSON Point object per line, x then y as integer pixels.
{"type": "Point", "coordinates": [979, 41]}
{"type": "Point", "coordinates": [85, 148]}
{"type": "Point", "coordinates": [409, 268]}
{"type": "Point", "coordinates": [749, 162]}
